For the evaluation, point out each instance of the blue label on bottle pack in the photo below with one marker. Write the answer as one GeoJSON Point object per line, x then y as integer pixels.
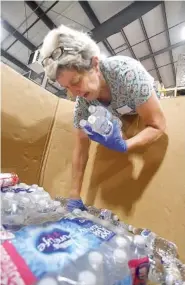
{"type": "Point", "coordinates": [53, 241]}
{"type": "Point", "coordinates": [51, 246]}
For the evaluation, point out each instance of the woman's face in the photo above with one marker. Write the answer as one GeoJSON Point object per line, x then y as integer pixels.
{"type": "Point", "coordinates": [83, 84]}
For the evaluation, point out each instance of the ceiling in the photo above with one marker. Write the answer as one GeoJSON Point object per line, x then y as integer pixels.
{"type": "Point", "coordinates": [149, 31]}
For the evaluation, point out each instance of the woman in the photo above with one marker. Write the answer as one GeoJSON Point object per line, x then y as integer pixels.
{"type": "Point", "coordinates": [119, 83]}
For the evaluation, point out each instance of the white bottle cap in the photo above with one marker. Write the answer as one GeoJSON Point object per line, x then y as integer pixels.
{"type": "Point", "coordinates": [34, 185]}
{"type": "Point", "coordinates": [56, 203]}
{"type": "Point", "coordinates": [40, 188]}
{"type": "Point", "coordinates": [22, 185]}
{"type": "Point", "coordinates": [92, 109]}
{"type": "Point", "coordinates": [77, 211]}
{"type": "Point", "coordinates": [115, 218]}
{"type": "Point", "coordinates": [87, 278]}
{"type": "Point", "coordinates": [121, 241]}
{"type": "Point", "coordinates": [120, 256]}
{"type": "Point", "coordinates": [95, 258]}
{"type": "Point", "coordinates": [60, 210]}
{"type": "Point", "coordinates": [83, 123]}
{"type": "Point", "coordinates": [92, 119]}
{"type": "Point", "coordinates": [139, 241]}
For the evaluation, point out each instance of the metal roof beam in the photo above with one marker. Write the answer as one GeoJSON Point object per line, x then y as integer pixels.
{"type": "Point", "coordinates": [40, 13]}
{"type": "Point", "coordinates": [182, 43]}
{"type": "Point", "coordinates": [96, 23]}
{"type": "Point", "coordinates": [14, 60]}
{"type": "Point", "coordinates": [37, 20]}
{"type": "Point", "coordinates": [9, 28]}
{"type": "Point", "coordinates": [18, 63]}
{"type": "Point", "coordinates": [122, 19]}
{"type": "Point", "coordinates": [168, 39]}
{"type": "Point", "coordinates": [128, 44]}
{"type": "Point", "coordinates": [150, 48]}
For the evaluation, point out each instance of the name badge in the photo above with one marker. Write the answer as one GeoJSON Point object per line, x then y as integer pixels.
{"type": "Point", "coordinates": [124, 110]}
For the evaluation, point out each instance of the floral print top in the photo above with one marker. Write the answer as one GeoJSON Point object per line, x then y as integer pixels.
{"type": "Point", "coordinates": [130, 85]}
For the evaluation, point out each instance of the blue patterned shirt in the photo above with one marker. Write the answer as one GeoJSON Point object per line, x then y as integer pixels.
{"type": "Point", "coordinates": [130, 85]}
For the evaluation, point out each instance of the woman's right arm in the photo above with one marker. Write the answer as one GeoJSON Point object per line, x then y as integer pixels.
{"type": "Point", "coordinates": [79, 162]}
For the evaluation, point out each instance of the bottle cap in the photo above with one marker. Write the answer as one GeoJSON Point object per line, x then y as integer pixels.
{"type": "Point", "coordinates": [34, 185]}
{"type": "Point", "coordinates": [83, 123]}
{"type": "Point", "coordinates": [95, 258]}
{"type": "Point", "coordinates": [121, 241]}
{"type": "Point", "coordinates": [22, 185]}
{"type": "Point", "coordinates": [139, 241]}
{"type": "Point", "coordinates": [60, 210]}
{"type": "Point", "coordinates": [87, 278]}
{"type": "Point", "coordinates": [115, 218]}
{"type": "Point", "coordinates": [120, 256]}
{"type": "Point", "coordinates": [56, 203]}
{"type": "Point", "coordinates": [92, 109]}
{"type": "Point", "coordinates": [40, 188]}
{"type": "Point", "coordinates": [77, 211]}
{"type": "Point", "coordinates": [92, 119]}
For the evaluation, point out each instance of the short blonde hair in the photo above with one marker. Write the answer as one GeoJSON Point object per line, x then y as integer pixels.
{"type": "Point", "coordinates": [83, 45]}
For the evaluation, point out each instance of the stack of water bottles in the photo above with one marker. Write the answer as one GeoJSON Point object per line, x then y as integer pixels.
{"type": "Point", "coordinates": [23, 204]}
{"type": "Point", "coordinates": [44, 244]}
{"type": "Point", "coordinates": [100, 120]}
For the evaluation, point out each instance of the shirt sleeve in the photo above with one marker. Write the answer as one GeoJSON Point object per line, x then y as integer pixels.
{"type": "Point", "coordinates": [139, 84]}
{"type": "Point", "coordinates": [80, 111]}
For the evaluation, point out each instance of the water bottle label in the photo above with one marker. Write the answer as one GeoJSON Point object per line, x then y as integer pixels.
{"type": "Point", "coordinates": [5, 189]}
{"type": "Point", "coordinates": [51, 246]}
{"type": "Point", "coordinates": [16, 190]}
{"type": "Point", "coordinates": [53, 241]}
{"type": "Point", "coordinates": [139, 270]}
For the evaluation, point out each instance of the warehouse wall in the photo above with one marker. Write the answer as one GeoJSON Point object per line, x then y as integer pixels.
{"type": "Point", "coordinates": [145, 188]}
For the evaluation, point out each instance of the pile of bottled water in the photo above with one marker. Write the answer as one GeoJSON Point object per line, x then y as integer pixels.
{"type": "Point", "coordinates": [23, 205]}
{"type": "Point", "coordinates": [100, 120]}
{"type": "Point", "coordinates": [165, 267]}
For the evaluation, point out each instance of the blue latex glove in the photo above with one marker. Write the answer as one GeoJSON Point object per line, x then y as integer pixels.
{"type": "Point", "coordinates": [75, 204]}
{"type": "Point", "coordinates": [113, 141]}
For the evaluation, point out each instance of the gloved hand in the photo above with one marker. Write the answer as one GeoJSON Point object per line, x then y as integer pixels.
{"type": "Point", "coordinates": [113, 141]}
{"type": "Point", "coordinates": [75, 204]}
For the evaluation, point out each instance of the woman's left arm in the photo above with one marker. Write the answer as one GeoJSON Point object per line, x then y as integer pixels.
{"type": "Point", "coordinates": [153, 117]}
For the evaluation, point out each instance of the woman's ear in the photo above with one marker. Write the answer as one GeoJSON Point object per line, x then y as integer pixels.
{"type": "Point", "coordinates": [95, 63]}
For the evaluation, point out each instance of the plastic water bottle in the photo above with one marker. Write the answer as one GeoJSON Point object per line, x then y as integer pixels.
{"type": "Point", "coordinates": [172, 274]}
{"type": "Point", "coordinates": [100, 111]}
{"type": "Point", "coordinates": [121, 269]}
{"type": "Point", "coordinates": [8, 179]}
{"type": "Point", "coordinates": [156, 243]}
{"type": "Point", "coordinates": [139, 247]}
{"type": "Point", "coordinates": [100, 125]}
{"type": "Point", "coordinates": [83, 124]}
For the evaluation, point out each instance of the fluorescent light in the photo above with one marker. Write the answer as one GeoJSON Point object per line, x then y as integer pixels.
{"type": "Point", "coordinates": [183, 33]}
